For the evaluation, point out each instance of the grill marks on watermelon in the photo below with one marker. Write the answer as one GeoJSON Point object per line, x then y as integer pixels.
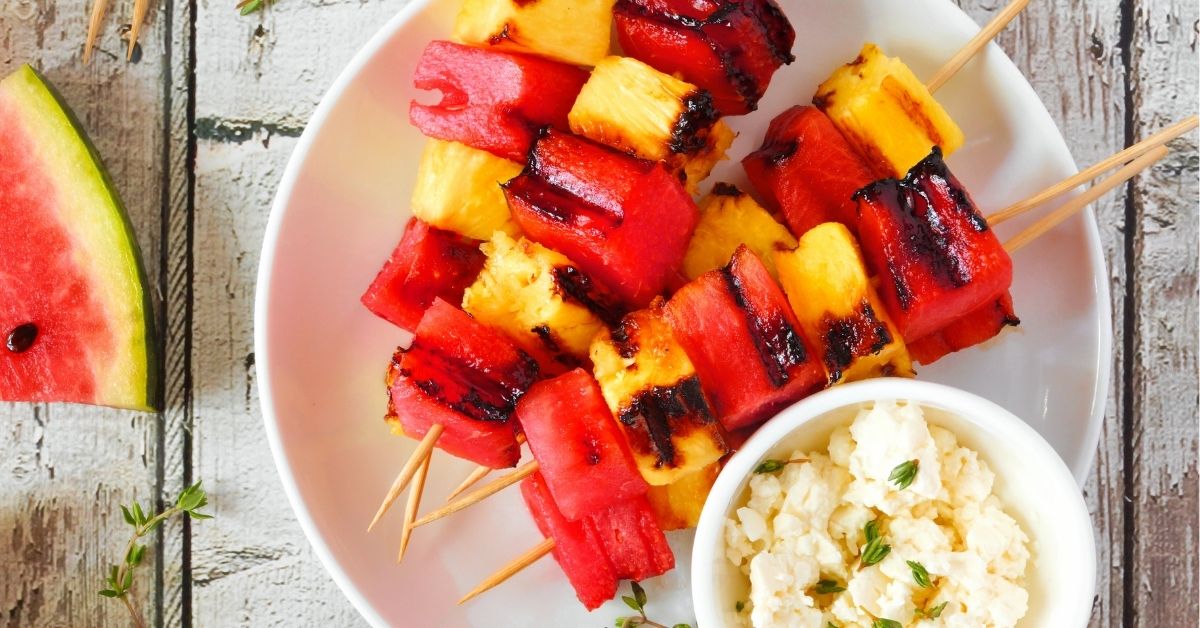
{"type": "Point", "coordinates": [776, 338]}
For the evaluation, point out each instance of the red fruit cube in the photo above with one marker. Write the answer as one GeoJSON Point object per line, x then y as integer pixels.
{"type": "Point", "coordinates": [577, 546]}
{"type": "Point", "coordinates": [737, 327]}
{"type": "Point", "coordinates": [625, 222]}
{"type": "Point", "coordinates": [492, 100]}
{"type": "Point", "coordinates": [981, 325]}
{"type": "Point", "coordinates": [730, 48]}
{"type": "Point", "coordinates": [807, 171]}
{"type": "Point", "coordinates": [465, 376]}
{"type": "Point", "coordinates": [579, 449]}
{"type": "Point", "coordinates": [632, 540]}
{"type": "Point", "coordinates": [429, 263]}
{"type": "Point", "coordinates": [936, 257]}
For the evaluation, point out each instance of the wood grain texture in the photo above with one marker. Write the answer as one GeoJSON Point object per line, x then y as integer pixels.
{"type": "Point", "coordinates": [1161, 445]}
{"type": "Point", "coordinates": [64, 469]}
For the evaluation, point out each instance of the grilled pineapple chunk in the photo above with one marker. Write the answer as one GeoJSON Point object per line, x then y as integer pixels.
{"type": "Point", "coordinates": [886, 112]}
{"type": "Point", "coordinates": [677, 505]}
{"type": "Point", "coordinates": [520, 291]}
{"type": "Point", "coordinates": [652, 388]}
{"type": "Point", "coordinates": [458, 189]}
{"type": "Point", "coordinates": [632, 107]}
{"type": "Point", "coordinates": [728, 219]}
{"type": "Point", "coordinates": [827, 284]}
{"type": "Point", "coordinates": [572, 31]}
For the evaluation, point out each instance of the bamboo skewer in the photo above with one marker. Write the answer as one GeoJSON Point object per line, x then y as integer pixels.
{"type": "Point", "coordinates": [977, 43]}
{"type": "Point", "coordinates": [413, 505]}
{"type": "Point", "coordinates": [423, 451]}
{"type": "Point", "coordinates": [504, 573]}
{"type": "Point", "coordinates": [1055, 217]}
{"type": "Point", "coordinates": [478, 474]}
{"type": "Point", "coordinates": [487, 490]}
{"type": "Point", "coordinates": [135, 27]}
{"type": "Point", "coordinates": [98, 9]}
{"type": "Point", "coordinates": [1088, 174]}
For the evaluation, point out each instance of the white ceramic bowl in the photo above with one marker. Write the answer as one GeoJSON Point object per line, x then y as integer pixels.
{"type": "Point", "coordinates": [1037, 489]}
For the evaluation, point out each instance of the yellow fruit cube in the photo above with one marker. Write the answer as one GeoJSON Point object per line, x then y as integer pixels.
{"type": "Point", "coordinates": [826, 282]}
{"type": "Point", "coordinates": [571, 31]}
{"type": "Point", "coordinates": [886, 112]}
{"type": "Point", "coordinates": [728, 219]}
{"type": "Point", "coordinates": [677, 505]}
{"type": "Point", "coordinates": [458, 189]}
{"type": "Point", "coordinates": [519, 291]}
{"type": "Point", "coordinates": [652, 388]}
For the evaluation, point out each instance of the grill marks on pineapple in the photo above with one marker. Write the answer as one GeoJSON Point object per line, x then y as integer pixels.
{"type": "Point", "coordinates": [691, 130]}
{"type": "Point", "coordinates": [778, 344]}
{"type": "Point", "coordinates": [657, 416]}
{"type": "Point", "coordinates": [849, 338]}
{"type": "Point", "coordinates": [581, 289]}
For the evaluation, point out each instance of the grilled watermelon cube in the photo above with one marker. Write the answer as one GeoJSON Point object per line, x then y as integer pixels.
{"type": "Point", "coordinates": [677, 505]}
{"type": "Point", "coordinates": [490, 99]}
{"type": "Point", "coordinates": [652, 388]}
{"type": "Point", "coordinates": [541, 300]}
{"type": "Point", "coordinates": [572, 31]}
{"type": "Point", "coordinates": [981, 325]}
{"type": "Point", "coordinates": [428, 263]}
{"type": "Point", "coordinates": [730, 48]}
{"type": "Point", "coordinates": [465, 376]}
{"type": "Point", "coordinates": [729, 218]}
{"type": "Point", "coordinates": [458, 189]}
{"type": "Point", "coordinates": [626, 222]}
{"type": "Point", "coordinates": [578, 447]}
{"type": "Point", "coordinates": [829, 288]}
{"type": "Point", "coordinates": [936, 257]}
{"type": "Point", "coordinates": [748, 347]}
{"type": "Point", "coordinates": [632, 540]}
{"type": "Point", "coordinates": [806, 171]}
{"type": "Point", "coordinates": [577, 546]}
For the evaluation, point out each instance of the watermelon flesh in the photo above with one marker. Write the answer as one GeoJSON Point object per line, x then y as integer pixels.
{"type": "Point", "coordinates": [632, 540]}
{"type": "Point", "coordinates": [575, 440]}
{"type": "Point", "coordinates": [75, 318]}
{"type": "Point", "coordinates": [577, 546]}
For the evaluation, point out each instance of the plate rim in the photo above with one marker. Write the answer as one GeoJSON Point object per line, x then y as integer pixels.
{"type": "Point", "coordinates": [285, 191]}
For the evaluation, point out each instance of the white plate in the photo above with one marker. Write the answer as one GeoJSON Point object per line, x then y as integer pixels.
{"type": "Point", "coordinates": [341, 208]}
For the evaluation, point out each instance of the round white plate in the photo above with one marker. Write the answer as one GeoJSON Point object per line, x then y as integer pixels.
{"type": "Point", "coordinates": [341, 208]}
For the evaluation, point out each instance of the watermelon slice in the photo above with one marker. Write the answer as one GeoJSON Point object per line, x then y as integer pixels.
{"type": "Point", "coordinates": [75, 315]}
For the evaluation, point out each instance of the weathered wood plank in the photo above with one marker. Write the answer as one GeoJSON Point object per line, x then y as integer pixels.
{"type": "Point", "coordinates": [1162, 439]}
{"type": "Point", "coordinates": [1070, 50]}
{"type": "Point", "coordinates": [64, 469]}
{"type": "Point", "coordinates": [258, 80]}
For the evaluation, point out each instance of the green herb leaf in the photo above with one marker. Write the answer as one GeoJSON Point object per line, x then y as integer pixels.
{"type": "Point", "coordinates": [639, 594]}
{"type": "Point", "coordinates": [740, 606]}
{"type": "Point", "coordinates": [933, 612]}
{"type": "Point", "coordinates": [631, 603]}
{"type": "Point", "coordinates": [875, 550]}
{"type": "Point", "coordinates": [682, 626]}
{"type": "Point", "coordinates": [138, 515]}
{"type": "Point", "coordinates": [825, 587]}
{"type": "Point", "coordinates": [621, 622]}
{"type": "Point", "coordinates": [871, 530]}
{"type": "Point", "coordinates": [198, 515]}
{"type": "Point", "coordinates": [127, 515]}
{"type": "Point", "coordinates": [886, 623]}
{"type": "Point", "coordinates": [769, 466]}
{"type": "Point", "coordinates": [830, 624]}
{"type": "Point", "coordinates": [250, 6]}
{"type": "Point", "coordinates": [920, 574]}
{"type": "Point", "coordinates": [904, 474]}
{"type": "Point", "coordinates": [109, 593]}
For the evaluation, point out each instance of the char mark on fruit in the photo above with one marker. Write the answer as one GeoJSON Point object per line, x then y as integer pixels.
{"type": "Point", "coordinates": [726, 189]}
{"type": "Point", "coordinates": [847, 339]}
{"type": "Point", "coordinates": [691, 129]}
{"type": "Point", "coordinates": [581, 289]}
{"type": "Point", "coordinates": [778, 345]}
{"type": "Point", "coordinates": [662, 413]}
{"type": "Point", "coordinates": [624, 337]}
{"type": "Point", "coordinates": [546, 336]}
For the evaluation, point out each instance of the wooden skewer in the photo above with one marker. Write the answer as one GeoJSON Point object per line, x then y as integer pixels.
{"type": "Point", "coordinates": [511, 569]}
{"type": "Point", "coordinates": [423, 451]}
{"type": "Point", "coordinates": [977, 43]}
{"type": "Point", "coordinates": [478, 474]}
{"type": "Point", "coordinates": [491, 488]}
{"type": "Point", "coordinates": [1055, 217]}
{"type": "Point", "coordinates": [1066, 185]}
{"type": "Point", "coordinates": [139, 16]}
{"type": "Point", "coordinates": [98, 9]}
{"type": "Point", "coordinates": [413, 505]}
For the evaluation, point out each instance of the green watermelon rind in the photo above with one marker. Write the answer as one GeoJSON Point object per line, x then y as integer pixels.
{"type": "Point", "coordinates": [147, 347]}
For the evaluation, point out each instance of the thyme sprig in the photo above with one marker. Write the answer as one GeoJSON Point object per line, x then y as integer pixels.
{"type": "Point", "coordinates": [637, 602]}
{"type": "Point", "coordinates": [119, 583]}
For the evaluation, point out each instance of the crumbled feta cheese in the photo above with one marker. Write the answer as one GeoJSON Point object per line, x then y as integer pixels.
{"type": "Point", "coordinates": [805, 523]}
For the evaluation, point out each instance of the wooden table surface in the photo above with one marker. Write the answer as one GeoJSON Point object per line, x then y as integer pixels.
{"type": "Point", "coordinates": [196, 133]}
